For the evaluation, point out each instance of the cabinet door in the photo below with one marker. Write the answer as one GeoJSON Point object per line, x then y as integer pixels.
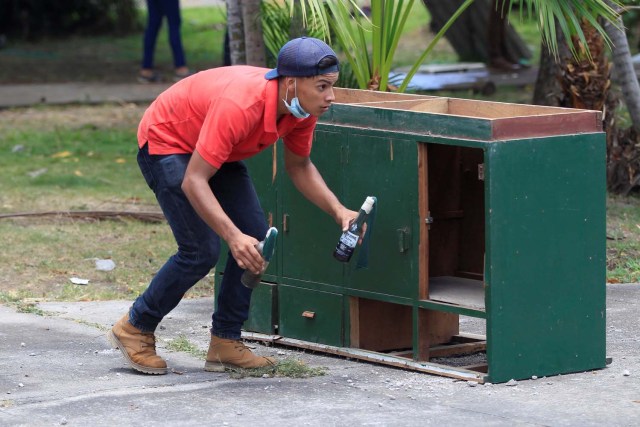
{"type": "Point", "coordinates": [263, 312]}
{"type": "Point", "coordinates": [310, 235]}
{"type": "Point", "coordinates": [388, 169]}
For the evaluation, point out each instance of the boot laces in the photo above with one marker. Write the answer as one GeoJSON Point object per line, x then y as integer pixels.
{"type": "Point", "coordinates": [240, 346]}
{"type": "Point", "coordinates": [148, 340]}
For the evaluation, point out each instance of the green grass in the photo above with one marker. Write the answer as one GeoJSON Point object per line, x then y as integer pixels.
{"type": "Point", "coordinates": [70, 164]}
{"type": "Point", "coordinates": [87, 160]}
{"type": "Point", "coordinates": [110, 58]}
{"type": "Point", "coordinates": [289, 368]}
{"type": "Point", "coordinates": [184, 345]}
{"type": "Point", "coordinates": [623, 240]}
{"type": "Point", "coordinates": [21, 305]}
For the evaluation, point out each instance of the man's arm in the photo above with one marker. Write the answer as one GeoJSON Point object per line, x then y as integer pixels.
{"type": "Point", "coordinates": [196, 187]}
{"type": "Point", "coordinates": [309, 182]}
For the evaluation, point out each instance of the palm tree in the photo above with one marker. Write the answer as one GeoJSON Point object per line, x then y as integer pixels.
{"type": "Point", "coordinates": [244, 26]}
{"type": "Point", "coordinates": [625, 71]}
{"type": "Point", "coordinates": [388, 19]}
{"type": "Point", "coordinates": [623, 153]}
{"type": "Point", "coordinates": [235, 32]}
{"type": "Point", "coordinates": [584, 81]}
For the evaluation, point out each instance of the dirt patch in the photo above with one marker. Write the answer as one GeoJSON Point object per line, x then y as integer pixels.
{"type": "Point", "coordinates": [102, 116]}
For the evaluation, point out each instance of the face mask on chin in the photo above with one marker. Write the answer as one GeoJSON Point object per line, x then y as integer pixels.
{"type": "Point", "coordinates": [295, 108]}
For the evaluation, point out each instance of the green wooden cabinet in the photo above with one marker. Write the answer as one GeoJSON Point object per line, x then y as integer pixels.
{"type": "Point", "coordinates": [310, 315]}
{"type": "Point", "coordinates": [384, 167]}
{"type": "Point", "coordinates": [263, 309]}
{"type": "Point", "coordinates": [486, 211]}
{"type": "Point", "coordinates": [307, 233]}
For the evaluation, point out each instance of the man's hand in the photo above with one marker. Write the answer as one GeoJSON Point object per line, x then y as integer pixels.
{"type": "Point", "coordinates": [345, 218]}
{"type": "Point", "coordinates": [196, 187]}
{"type": "Point", "coordinates": [243, 249]}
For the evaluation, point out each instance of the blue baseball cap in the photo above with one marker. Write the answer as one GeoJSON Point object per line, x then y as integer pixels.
{"type": "Point", "coordinates": [300, 57]}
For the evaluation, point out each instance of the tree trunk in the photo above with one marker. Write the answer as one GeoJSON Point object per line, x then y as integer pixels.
{"type": "Point", "coordinates": [253, 39]}
{"type": "Point", "coordinates": [296, 29]}
{"type": "Point", "coordinates": [469, 34]}
{"type": "Point", "coordinates": [623, 155]}
{"type": "Point", "coordinates": [235, 30]}
{"type": "Point", "coordinates": [624, 71]}
{"type": "Point", "coordinates": [548, 90]}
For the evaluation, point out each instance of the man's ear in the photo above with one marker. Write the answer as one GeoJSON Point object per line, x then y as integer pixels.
{"type": "Point", "coordinates": [289, 82]}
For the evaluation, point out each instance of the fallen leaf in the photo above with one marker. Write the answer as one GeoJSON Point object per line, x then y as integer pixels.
{"type": "Point", "coordinates": [121, 161]}
{"type": "Point", "coordinates": [77, 173]}
{"type": "Point", "coordinates": [61, 154]}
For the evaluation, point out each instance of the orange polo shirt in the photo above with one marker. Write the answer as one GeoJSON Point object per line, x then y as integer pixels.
{"type": "Point", "coordinates": [226, 114]}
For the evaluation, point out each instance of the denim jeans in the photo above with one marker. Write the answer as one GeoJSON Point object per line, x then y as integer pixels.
{"type": "Point", "coordinates": [198, 244]}
{"type": "Point", "coordinates": [156, 9]}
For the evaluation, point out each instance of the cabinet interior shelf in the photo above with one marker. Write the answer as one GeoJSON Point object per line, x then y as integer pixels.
{"type": "Point", "coordinates": [458, 291]}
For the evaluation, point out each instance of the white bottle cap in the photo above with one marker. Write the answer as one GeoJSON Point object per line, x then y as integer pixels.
{"type": "Point", "coordinates": [368, 204]}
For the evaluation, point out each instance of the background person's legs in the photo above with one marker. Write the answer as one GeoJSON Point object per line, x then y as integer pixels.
{"type": "Point", "coordinates": [171, 9]}
{"type": "Point", "coordinates": [154, 22]}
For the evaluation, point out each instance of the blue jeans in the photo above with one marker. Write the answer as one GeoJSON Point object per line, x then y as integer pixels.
{"type": "Point", "coordinates": [198, 244]}
{"type": "Point", "coordinates": [156, 9]}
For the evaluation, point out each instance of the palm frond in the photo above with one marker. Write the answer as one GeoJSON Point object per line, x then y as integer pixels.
{"type": "Point", "coordinates": [353, 30]}
{"type": "Point", "coordinates": [568, 14]}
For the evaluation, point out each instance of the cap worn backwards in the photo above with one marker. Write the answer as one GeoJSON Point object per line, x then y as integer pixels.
{"type": "Point", "coordinates": [300, 58]}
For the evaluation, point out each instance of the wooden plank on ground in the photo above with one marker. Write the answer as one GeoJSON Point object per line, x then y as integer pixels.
{"type": "Point", "coordinates": [457, 349]}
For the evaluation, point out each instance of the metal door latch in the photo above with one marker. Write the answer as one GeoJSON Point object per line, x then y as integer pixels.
{"type": "Point", "coordinates": [428, 220]}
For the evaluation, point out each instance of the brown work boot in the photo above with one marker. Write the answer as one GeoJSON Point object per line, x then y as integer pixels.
{"type": "Point", "coordinates": [138, 348]}
{"type": "Point", "coordinates": [224, 353]}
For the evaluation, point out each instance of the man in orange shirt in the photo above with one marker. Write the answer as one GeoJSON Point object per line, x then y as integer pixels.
{"type": "Point", "coordinates": [192, 140]}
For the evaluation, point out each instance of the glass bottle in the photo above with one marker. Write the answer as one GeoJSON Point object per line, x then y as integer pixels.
{"type": "Point", "coordinates": [349, 239]}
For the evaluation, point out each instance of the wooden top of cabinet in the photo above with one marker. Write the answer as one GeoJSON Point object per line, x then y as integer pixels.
{"type": "Point", "coordinates": [452, 117]}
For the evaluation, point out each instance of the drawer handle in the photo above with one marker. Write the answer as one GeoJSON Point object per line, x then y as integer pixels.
{"type": "Point", "coordinates": [308, 314]}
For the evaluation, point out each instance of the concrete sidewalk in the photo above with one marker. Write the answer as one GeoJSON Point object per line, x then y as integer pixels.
{"type": "Point", "coordinates": [59, 369]}
{"type": "Point", "coordinates": [24, 95]}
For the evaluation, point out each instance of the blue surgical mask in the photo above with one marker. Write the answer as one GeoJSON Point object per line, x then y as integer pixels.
{"type": "Point", "coordinates": [295, 108]}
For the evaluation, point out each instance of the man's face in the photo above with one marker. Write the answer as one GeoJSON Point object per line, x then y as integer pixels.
{"type": "Point", "coordinates": [315, 93]}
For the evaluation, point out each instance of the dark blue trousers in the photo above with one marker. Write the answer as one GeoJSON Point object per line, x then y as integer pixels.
{"type": "Point", "coordinates": [198, 244]}
{"type": "Point", "coordinates": [156, 9]}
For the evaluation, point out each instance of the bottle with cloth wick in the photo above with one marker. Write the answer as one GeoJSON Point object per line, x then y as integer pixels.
{"type": "Point", "coordinates": [349, 239]}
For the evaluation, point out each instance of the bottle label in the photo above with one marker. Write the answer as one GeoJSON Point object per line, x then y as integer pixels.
{"type": "Point", "coordinates": [349, 239]}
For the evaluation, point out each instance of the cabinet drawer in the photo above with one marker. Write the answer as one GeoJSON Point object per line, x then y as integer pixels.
{"type": "Point", "coordinates": [263, 310]}
{"type": "Point", "coordinates": [310, 315]}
